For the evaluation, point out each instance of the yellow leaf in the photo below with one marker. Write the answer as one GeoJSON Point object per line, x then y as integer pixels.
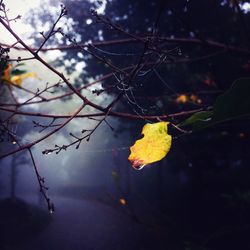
{"type": "Point", "coordinates": [152, 147]}
{"type": "Point", "coordinates": [17, 80]}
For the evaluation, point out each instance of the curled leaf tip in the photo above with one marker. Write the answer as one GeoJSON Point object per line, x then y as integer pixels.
{"type": "Point", "coordinates": [137, 164]}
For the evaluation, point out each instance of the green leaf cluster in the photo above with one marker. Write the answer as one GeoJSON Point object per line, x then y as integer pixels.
{"type": "Point", "coordinates": [233, 104]}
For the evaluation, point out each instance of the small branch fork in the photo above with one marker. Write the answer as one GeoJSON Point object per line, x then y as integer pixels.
{"type": "Point", "coordinates": [40, 179]}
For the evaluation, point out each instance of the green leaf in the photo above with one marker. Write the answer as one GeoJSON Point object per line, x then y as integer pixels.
{"type": "Point", "coordinates": [17, 72]}
{"type": "Point", "coordinates": [234, 103]}
{"type": "Point", "coordinates": [19, 64]}
{"type": "Point", "coordinates": [198, 119]}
